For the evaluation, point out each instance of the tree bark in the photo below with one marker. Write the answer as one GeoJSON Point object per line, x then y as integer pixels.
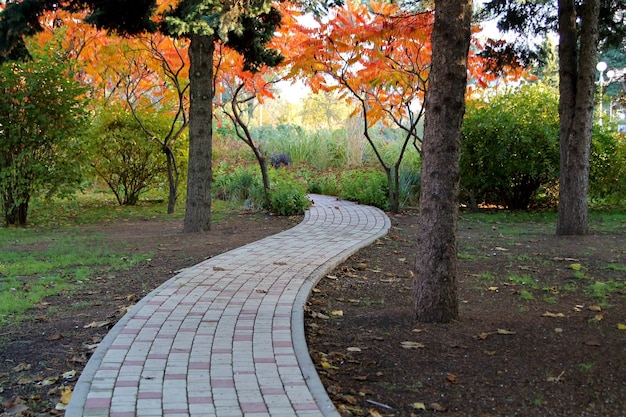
{"type": "Point", "coordinates": [435, 292]}
{"type": "Point", "coordinates": [576, 88]}
{"type": "Point", "coordinates": [200, 175]}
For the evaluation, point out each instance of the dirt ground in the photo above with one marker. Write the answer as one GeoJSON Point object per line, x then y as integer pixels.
{"type": "Point", "coordinates": [542, 327]}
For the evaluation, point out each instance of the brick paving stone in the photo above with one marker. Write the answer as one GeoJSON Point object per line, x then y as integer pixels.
{"type": "Point", "coordinates": [225, 338]}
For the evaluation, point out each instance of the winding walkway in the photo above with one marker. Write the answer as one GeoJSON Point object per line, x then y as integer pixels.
{"type": "Point", "coordinates": [226, 337]}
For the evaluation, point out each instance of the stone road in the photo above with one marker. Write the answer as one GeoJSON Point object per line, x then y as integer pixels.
{"type": "Point", "coordinates": [226, 336]}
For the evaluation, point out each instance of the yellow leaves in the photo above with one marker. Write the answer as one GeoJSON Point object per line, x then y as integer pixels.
{"type": "Point", "coordinates": [553, 315]}
{"type": "Point", "coordinates": [621, 326]}
{"type": "Point", "coordinates": [419, 406]}
{"type": "Point", "coordinates": [66, 395]}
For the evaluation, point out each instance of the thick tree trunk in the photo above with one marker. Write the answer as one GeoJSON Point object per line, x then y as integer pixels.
{"type": "Point", "coordinates": [576, 89]}
{"type": "Point", "coordinates": [435, 293]}
{"type": "Point", "coordinates": [200, 175]}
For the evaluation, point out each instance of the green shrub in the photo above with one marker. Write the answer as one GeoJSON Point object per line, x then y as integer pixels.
{"type": "Point", "coordinates": [510, 146]}
{"type": "Point", "coordinates": [123, 155]}
{"type": "Point", "coordinates": [367, 186]}
{"type": "Point", "coordinates": [241, 184]}
{"type": "Point", "coordinates": [287, 194]}
{"type": "Point", "coordinates": [607, 171]}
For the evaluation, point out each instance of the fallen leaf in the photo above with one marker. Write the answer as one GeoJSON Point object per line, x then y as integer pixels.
{"type": "Point", "coordinates": [592, 343]}
{"type": "Point", "coordinates": [96, 324]}
{"type": "Point", "coordinates": [493, 288]}
{"type": "Point", "coordinates": [349, 399]}
{"type": "Point", "coordinates": [22, 367]}
{"type": "Point", "coordinates": [56, 336]}
{"type": "Point", "coordinates": [555, 378]}
{"type": "Point", "coordinates": [14, 406]}
{"type": "Point", "coordinates": [331, 277]}
{"type": "Point", "coordinates": [360, 378]}
{"type": "Point", "coordinates": [354, 349]}
{"type": "Point", "coordinates": [452, 379]}
{"type": "Point", "coordinates": [337, 313]}
{"type": "Point", "coordinates": [576, 267]}
{"type": "Point", "coordinates": [501, 249]}
{"type": "Point", "coordinates": [598, 317]}
{"type": "Point", "coordinates": [554, 315]}
{"type": "Point", "coordinates": [411, 345]}
{"type": "Point", "coordinates": [66, 395]}
{"type": "Point", "coordinates": [595, 308]}
{"type": "Point", "coordinates": [48, 381]}
{"type": "Point", "coordinates": [505, 332]}
{"type": "Point", "coordinates": [69, 375]}
{"type": "Point", "coordinates": [484, 335]}
{"type": "Point", "coordinates": [438, 407]}
{"type": "Point", "coordinates": [419, 406]}
{"type": "Point", "coordinates": [374, 413]}
{"type": "Point", "coordinates": [621, 326]}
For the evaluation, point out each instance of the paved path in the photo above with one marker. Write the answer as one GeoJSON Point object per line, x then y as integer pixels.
{"type": "Point", "coordinates": [226, 337]}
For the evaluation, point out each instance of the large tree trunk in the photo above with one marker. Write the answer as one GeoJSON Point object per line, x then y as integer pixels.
{"type": "Point", "coordinates": [435, 293]}
{"type": "Point", "coordinates": [576, 88]}
{"type": "Point", "coordinates": [200, 175]}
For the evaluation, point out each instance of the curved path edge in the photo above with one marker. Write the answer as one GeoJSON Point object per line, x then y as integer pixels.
{"type": "Point", "coordinates": [226, 337]}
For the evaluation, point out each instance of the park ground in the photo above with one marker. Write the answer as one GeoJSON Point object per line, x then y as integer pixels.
{"type": "Point", "coordinates": [541, 330]}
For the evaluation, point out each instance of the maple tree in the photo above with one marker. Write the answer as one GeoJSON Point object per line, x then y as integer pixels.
{"type": "Point", "coordinates": [147, 73]}
{"type": "Point", "coordinates": [378, 56]}
{"type": "Point", "coordinates": [238, 89]}
{"type": "Point", "coordinates": [246, 26]}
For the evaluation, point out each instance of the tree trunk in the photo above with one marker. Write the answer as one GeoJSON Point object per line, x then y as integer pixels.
{"type": "Point", "coordinates": [435, 293]}
{"type": "Point", "coordinates": [576, 89]}
{"type": "Point", "coordinates": [200, 175]}
{"type": "Point", "coordinates": [172, 179]}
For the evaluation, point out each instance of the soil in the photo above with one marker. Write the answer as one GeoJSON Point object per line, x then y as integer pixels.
{"type": "Point", "coordinates": [541, 328]}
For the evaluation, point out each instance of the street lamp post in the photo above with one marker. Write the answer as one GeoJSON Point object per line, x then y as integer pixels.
{"type": "Point", "coordinates": [603, 82]}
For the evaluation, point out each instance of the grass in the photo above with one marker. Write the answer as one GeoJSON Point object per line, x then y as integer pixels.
{"type": "Point", "coordinates": [524, 280]}
{"type": "Point", "coordinates": [38, 263]}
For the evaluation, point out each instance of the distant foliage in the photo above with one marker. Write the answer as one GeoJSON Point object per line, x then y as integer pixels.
{"type": "Point", "coordinates": [123, 155]}
{"type": "Point", "coordinates": [510, 146]}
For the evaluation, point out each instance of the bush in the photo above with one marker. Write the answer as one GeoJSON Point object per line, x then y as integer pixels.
{"type": "Point", "coordinates": [510, 146]}
{"type": "Point", "coordinates": [42, 121]}
{"type": "Point", "coordinates": [287, 194]}
{"type": "Point", "coordinates": [367, 186]}
{"type": "Point", "coordinates": [124, 156]}
{"type": "Point", "coordinates": [241, 184]}
{"type": "Point", "coordinates": [607, 171]}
